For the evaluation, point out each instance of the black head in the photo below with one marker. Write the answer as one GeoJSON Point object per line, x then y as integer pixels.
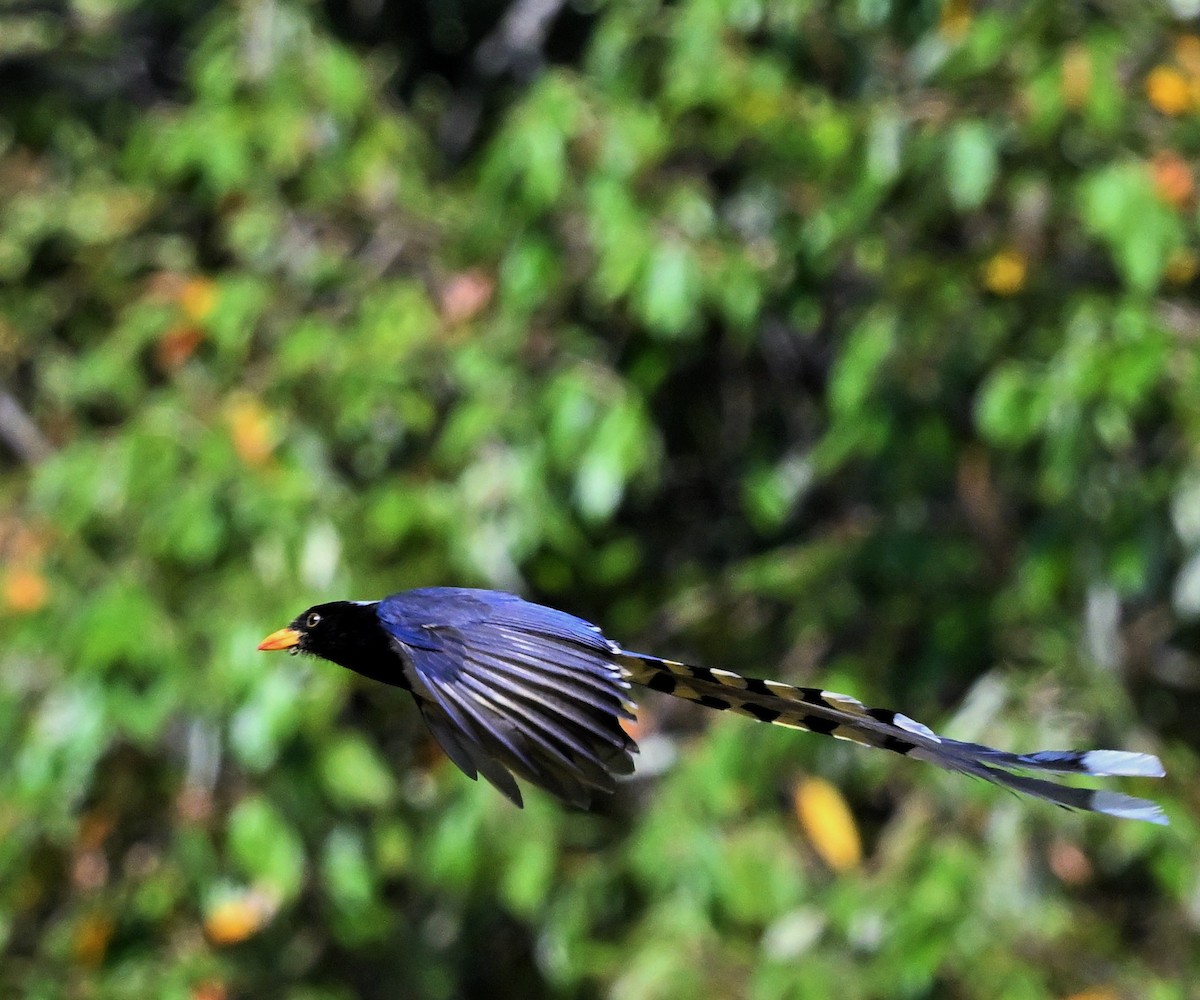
{"type": "Point", "coordinates": [344, 632]}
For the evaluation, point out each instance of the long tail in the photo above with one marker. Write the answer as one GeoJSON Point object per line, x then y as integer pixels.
{"type": "Point", "coordinates": [846, 718]}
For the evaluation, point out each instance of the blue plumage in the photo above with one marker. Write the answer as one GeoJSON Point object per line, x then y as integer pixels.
{"type": "Point", "coordinates": [404, 615]}
{"type": "Point", "coordinates": [513, 688]}
{"type": "Point", "coordinates": [510, 686]}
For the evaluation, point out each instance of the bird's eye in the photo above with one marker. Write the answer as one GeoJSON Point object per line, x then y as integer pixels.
{"type": "Point", "coordinates": [313, 620]}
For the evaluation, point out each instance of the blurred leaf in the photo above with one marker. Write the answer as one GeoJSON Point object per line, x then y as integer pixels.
{"type": "Point", "coordinates": [529, 875]}
{"type": "Point", "coordinates": [233, 915]}
{"type": "Point", "coordinates": [828, 823]}
{"type": "Point", "coordinates": [346, 871]}
{"type": "Point", "coordinates": [670, 288]}
{"type": "Point", "coordinates": [971, 164]}
{"type": "Point", "coordinates": [354, 775]}
{"type": "Point", "coordinates": [1120, 206]}
{"type": "Point", "coordinates": [863, 356]}
{"type": "Point", "coordinates": [266, 847]}
{"type": "Point", "coordinates": [760, 875]}
{"type": "Point", "coordinates": [23, 589]}
{"type": "Point", "coordinates": [1006, 410]}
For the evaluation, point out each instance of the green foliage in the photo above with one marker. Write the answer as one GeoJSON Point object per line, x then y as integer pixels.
{"type": "Point", "coordinates": [850, 344]}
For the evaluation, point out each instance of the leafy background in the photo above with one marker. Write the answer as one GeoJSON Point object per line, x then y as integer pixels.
{"type": "Point", "coordinates": [851, 344]}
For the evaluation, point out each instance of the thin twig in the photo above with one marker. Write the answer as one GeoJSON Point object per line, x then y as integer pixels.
{"type": "Point", "coordinates": [519, 36]}
{"type": "Point", "coordinates": [19, 431]}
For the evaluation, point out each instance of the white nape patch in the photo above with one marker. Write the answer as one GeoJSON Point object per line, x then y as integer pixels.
{"type": "Point", "coordinates": [914, 727]}
{"type": "Point", "coordinates": [1127, 807]}
{"type": "Point", "coordinates": [1123, 763]}
{"type": "Point", "coordinates": [363, 604]}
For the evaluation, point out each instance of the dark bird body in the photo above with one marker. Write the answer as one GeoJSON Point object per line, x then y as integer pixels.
{"type": "Point", "coordinates": [509, 688]}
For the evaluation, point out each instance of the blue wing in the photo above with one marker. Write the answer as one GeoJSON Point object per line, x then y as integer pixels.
{"type": "Point", "coordinates": [509, 687]}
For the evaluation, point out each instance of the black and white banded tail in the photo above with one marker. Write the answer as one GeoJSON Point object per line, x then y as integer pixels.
{"type": "Point", "coordinates": [846, 718]}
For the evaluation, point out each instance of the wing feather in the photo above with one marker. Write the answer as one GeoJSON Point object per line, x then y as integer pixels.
{"type": "Point", "coordinates": [536, 727]}
{"type": "Point", "coordinates": [511, 688]}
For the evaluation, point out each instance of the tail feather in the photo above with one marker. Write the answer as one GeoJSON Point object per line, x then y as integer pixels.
{"type": "Point", "coordinates": [846, 718]}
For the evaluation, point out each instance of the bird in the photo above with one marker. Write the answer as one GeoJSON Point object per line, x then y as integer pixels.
{"type": "Point", "coordinates": [510, 688]}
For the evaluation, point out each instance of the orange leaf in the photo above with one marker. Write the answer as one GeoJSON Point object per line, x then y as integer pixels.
{"type": "Point", "coordinates": [1172, 178]}
{"type": "Point", "coordinates": [177, 345]}
{"type": "Point", "coordinates": [210, 989]}
{"type": "Point", "coordinates": [239, 916]}
{"type": "Point", "coordinates": [24, 589]}
{"type": "Point", "coordinates": [827, 823]}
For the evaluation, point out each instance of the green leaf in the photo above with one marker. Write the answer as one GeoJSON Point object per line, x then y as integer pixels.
{"type": "Point", "coordinates": [668, 297]}
{"type": "Point", "coordinates": [856, 372]}
{"type": "Point", "coordinates": [529, 875]}
{"type": "Point", "coordinates": [353, 774]}
{"type": "Point", "coordinates": [760, 876]}
{"type": "Point", "coordinates": [1119, 205]}
{"type": "Point", "coordinates": [1007, 410]}
{"type": "Point", "coordinates": [972, 164]}
{"type": "Point", "coordinates": [346, 871]}
{"type": "Point", "coordinates": [265, 846]}
{"type": "Point", "coordinates": [616, 450]}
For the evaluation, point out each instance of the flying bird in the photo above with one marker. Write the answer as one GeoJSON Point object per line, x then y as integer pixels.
{"type": "Point", "coordinates": [508, 687]}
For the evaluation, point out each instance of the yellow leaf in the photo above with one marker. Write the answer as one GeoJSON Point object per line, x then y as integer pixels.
{"type": "Point", "coordinates": [1004, 273]}
{"type": "Point", "coordinates": [197, 298]}
{"type": "Point", "coordinates": [828, 823]}
{"type": "Point", "coordinates": [1182, 266]}
{"type": "Point", "coordinates": [955, 20]}
{"type": "Point", "coordinates": [1167, 89]}
{"type": "Point", "coordinates": [1076, 76]}
{"type": "Point", "coordinates": [250, 429]}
